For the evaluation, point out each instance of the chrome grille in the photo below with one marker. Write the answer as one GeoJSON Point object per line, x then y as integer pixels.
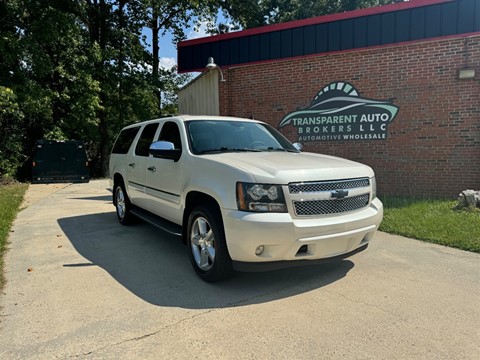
{"type": "Point", "coordinates": [327, 185]}
{"type": "Point", "coordinates": [322, 207]}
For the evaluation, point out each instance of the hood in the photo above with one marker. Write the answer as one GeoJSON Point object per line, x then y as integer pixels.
{"type": "Point", "coordinates": [284, 168]}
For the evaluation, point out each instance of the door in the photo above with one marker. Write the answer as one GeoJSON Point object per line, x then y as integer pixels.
{"type": "Point", "coordinates": [165, 178]}
{"type": "Point", "coordinates": [137, 165]}
{"type": "Point", "coordinates": [68, 158]}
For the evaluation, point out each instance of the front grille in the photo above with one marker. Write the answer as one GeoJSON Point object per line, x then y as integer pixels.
{"type": "Point", "coordinates": [327, 185]}
{"type": "Point", "coordinates": [323, 207]}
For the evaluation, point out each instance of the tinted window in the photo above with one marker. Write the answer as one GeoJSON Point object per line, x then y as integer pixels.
{"type": "Point", "coordinates": [171, 134]}
{"type": "Point", "coordinates": [146, 140]}
{"type": "Point", "coordinates": [125, 140]}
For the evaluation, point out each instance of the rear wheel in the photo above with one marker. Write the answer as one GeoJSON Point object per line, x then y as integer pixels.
{"type": "Point", "coordinates": [122, 205]}
{"type": "Point", "coordinates": [206, 244]}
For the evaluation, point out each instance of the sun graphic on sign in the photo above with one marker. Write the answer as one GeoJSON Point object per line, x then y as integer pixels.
{"type": "Point", "coordinates": [344, 87]}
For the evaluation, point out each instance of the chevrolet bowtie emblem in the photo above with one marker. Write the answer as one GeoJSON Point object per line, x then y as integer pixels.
{"type": "Point", "coordinates": [339, 194]}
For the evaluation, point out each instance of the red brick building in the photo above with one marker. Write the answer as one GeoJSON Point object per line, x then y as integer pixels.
{"type": "Point", "coordinates": [415, 63]}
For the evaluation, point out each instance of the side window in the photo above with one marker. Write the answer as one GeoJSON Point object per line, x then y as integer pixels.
{"type": "Point", "coordinates": [171, 133]}
{"type": "Point", "coordinates": [125, 140]}
{"type": "Point", "coordinates": [146, 139]}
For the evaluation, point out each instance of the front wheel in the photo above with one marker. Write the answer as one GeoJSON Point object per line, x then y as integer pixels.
{"type": "Point", "coordinates": [206, 244]}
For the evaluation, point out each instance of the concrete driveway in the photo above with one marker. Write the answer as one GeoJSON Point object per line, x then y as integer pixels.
{"type": "Point", "coordinates": [79, 285]}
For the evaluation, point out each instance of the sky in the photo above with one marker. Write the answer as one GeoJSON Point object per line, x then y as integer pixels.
{"type": "Point", "coordinates": [168, 50]}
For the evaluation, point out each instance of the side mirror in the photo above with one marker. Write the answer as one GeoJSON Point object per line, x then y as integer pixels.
{"type": "Point", "coordinates": [298, 146]}
{"type": "Point", "coordinates": [165, 150]}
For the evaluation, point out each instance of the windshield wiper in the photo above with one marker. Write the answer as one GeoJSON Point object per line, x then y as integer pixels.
{"type": "Point", "coordinates": [280, 149]}
{"type": "Point", "coordinates": [226, 149]}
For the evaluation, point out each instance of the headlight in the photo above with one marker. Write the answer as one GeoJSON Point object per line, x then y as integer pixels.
{"type": "Point", "coordinates": [260, 198]}
{"type": "Point", "coordinates": [374, 187]}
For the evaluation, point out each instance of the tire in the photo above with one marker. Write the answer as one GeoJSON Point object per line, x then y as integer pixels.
{"type": "Point", "coordinates": [206, 245]}
{"type": "Point", "coordinates": [122, 204]}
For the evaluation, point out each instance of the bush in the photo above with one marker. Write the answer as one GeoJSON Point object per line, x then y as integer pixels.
{"type": "Point", "coordinates": [11, 137]}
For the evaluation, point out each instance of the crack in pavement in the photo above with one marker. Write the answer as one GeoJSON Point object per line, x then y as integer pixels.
{"type": "Point", "coordinates": [375, 306]}
{"type": "Point", "coordinates": [26, 202]}
{"type": "Point", "coordinates": [138, 338]}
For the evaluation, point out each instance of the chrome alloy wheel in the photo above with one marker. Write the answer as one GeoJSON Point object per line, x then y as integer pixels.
{"type": "Point", "coordinates": [203, 243]}
{"type": "Point", "coordinates": [121, 204]}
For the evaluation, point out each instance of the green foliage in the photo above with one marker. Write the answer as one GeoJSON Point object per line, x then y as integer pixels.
{"type": "Point", "coordinates": [11, 197]}
{"type": "Point", "coordinates": [11, 137]}
{"type": "Point", "coordinates": [433, 220]}
{"type": "Point", "coordinates": [79, 70]}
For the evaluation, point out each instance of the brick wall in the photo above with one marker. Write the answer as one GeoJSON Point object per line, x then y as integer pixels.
{"type": "Point", "coordinates": [433, 144]}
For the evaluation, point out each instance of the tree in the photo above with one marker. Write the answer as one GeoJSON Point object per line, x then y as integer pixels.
{"type": "Point", "coordinates": [70, 63]}
{"type": "Point", "coordinates": [79, 68]}
{"type": "Point", "coordinates": [43, 61]}
{"type": "Point", "coordinates": [11, 137]}
{"type": "Point", "coordinates": [172, 16]}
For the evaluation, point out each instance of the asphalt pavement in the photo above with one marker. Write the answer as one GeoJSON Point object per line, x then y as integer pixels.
{"type": "Point", "coordinates": [80, 285]}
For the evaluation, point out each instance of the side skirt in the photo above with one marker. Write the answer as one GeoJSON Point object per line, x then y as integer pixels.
{"type": "Point", "coordinates": [157, 221]}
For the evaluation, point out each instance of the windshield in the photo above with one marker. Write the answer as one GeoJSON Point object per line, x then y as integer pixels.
{"type": "Point", "coordinates": [216, 136]}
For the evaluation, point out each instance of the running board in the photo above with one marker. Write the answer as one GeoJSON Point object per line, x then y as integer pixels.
{"type": "Point", "coordinates": [159, 222]}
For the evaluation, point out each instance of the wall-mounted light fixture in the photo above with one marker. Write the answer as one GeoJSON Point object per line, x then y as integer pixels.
{"type": "Point", "coordinates": [211, 65]}
{"type": "Point", "coordinates": [466, 73]}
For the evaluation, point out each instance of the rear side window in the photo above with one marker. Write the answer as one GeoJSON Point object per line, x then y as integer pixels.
{"type": "Point", "coordinates": [146, 139]}
{"type": "Point", "coordinates": [125, 140]}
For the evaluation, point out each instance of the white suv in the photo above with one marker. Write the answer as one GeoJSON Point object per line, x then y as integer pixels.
{"type": "Point", "coordinates": [240, 195]}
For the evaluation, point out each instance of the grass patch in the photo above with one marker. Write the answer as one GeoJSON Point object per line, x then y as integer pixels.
{"type": "Point", "coordinates": [11, 197]}
{"type": "Point", "coordinates": [435, 221]}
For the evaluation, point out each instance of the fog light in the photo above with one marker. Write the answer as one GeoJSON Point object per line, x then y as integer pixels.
{"type": "Point", "coordinates": [259, 250]}
{"type": "Point", "coordinates": [303, 249]}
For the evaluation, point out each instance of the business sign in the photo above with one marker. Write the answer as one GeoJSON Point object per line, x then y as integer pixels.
{"type": "Point", "coordinates": [338, 113]}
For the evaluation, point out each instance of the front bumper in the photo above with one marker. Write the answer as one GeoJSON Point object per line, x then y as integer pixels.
{"type": "Point", "coordinates": [289, 240]}
{"type": "Point", "coordinates": [277, 265]}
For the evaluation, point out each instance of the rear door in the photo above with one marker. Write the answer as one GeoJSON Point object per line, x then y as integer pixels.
{"type": "Point", "coordinates": [53, 159]}
{"type": "Point", "coordinates": [68, 158]}
{"type": "Point", "coordinates": [138, 163]}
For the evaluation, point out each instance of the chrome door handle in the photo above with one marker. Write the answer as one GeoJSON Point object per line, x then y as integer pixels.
{"type": "Point", "coordinates": [131, 165]}
{"type": "Point", "coordinates": [152, 168]}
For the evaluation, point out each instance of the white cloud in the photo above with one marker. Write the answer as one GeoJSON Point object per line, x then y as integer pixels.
{"type": "Point", "coordinates": [199, 31]}
{"type": "Point", "coordinates": [167, 62]}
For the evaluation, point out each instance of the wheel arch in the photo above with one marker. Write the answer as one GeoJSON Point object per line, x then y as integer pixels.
{"type": "Point", "coordinates": [193, 199]}
{"type": "Point", "coordinates": [117, 179]}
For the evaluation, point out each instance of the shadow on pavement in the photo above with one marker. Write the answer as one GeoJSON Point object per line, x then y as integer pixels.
{"type": "Point", "coordinates": [155, 267]}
